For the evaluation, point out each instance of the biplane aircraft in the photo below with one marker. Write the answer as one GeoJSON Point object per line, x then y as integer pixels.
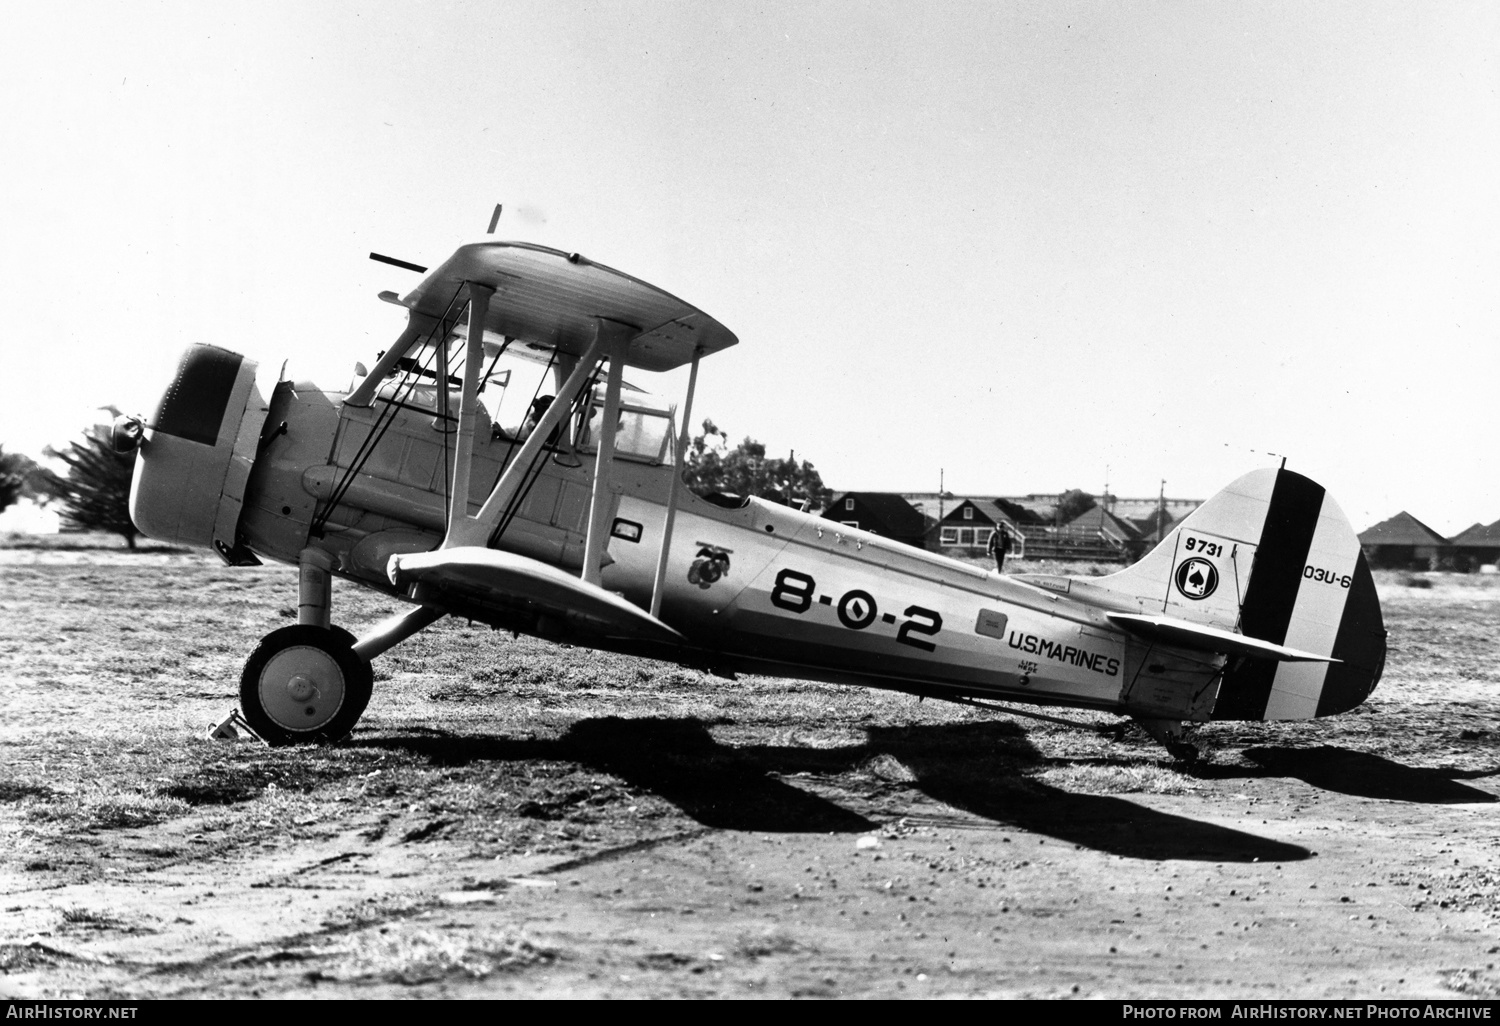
{"type": "Point", "coordinates": [574, 525]}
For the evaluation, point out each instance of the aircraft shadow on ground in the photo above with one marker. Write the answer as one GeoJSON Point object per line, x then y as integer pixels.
{"type": "Point", "coordinates": [677, 760]}
{"type": "Point", "coordinates": [1362, 775]}
{"type": "Point", "coordinates": [972, 767]}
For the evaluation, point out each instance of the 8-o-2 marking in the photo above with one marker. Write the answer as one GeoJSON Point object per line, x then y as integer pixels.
{"type": "Point", "coordinates": [857, 609]}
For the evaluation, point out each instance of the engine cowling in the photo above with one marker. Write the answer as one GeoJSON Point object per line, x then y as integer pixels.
{"type": "Point", "coordinates": [196, 453]}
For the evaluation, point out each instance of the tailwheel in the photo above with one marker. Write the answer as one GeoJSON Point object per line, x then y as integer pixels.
{"type": "Point", "coordinates": [1170, 735]}
{"type": "Point", "coordinates": [1184, 753]}
{"type": "Point", "coordinates": [305, 685]}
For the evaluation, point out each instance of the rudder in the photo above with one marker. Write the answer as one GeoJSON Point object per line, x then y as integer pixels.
{"type": "Point", "coordinates": [1272, 557]}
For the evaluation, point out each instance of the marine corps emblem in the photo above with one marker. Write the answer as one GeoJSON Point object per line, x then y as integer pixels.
{"type": "Point", "coordinates": [711, 564]}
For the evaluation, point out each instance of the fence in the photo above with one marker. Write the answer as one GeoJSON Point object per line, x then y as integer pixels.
{"type": "Point", "coordinates": [1074, 543]}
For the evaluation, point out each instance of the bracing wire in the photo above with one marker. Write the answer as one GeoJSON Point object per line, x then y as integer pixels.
{"type": "Point", "coordinates": [387, 415]}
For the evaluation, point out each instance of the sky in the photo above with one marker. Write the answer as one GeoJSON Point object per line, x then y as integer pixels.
{"type": "Point", "coordinates": [1012, 246]}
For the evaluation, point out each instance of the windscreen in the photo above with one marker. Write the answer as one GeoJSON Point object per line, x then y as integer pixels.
{"type": "Point", "coordinates": [640, 435]}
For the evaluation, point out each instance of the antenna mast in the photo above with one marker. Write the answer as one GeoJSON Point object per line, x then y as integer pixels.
{"type": "Point", "coordinates": [1161, 510]}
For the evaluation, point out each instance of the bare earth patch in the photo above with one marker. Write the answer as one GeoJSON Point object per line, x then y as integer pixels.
{"type": "Point", "coordinates": [517, 819]}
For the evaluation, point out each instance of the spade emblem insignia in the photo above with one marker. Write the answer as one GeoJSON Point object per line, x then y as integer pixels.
{"type": "Point", "coordinates": [1197, 578]}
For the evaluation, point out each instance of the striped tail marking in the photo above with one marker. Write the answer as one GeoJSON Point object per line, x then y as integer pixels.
{"type": "Point", "coordinates": [1311, 590]}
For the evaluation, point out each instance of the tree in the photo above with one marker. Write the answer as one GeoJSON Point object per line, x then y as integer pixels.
{"type": "Point", "coordinates": [12, 477]}
{"type": "Point", "coordinates": [21, 477]}
{"type": "Point", "coordinates": [1072, 504]}
{"type": "Point", "coordinates": [95, 494]}
{"type": "Point", "coordinates": [746, 470]}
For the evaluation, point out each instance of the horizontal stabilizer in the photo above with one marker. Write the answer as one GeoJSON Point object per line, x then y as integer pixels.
{"type": "Point", "coordinates": [1268, 568]}
{"type": "Point", "coordinates": [1186, 634]}
{"type": "Point", "coordinates": [488, 578]}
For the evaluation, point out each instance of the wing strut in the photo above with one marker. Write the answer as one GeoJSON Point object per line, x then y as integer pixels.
{"type": "Point", "coordinates": [676, 492]}
{"type": "Point", "coordinates": [464, 529]}
{"type": "Point", "coordinates": [601, 502]}
{"type": "Point", "coordinates": [468, 399]}
{"type": "Point", "coordinates": [417, 325]}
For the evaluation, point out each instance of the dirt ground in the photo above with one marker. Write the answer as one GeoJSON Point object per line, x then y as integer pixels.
{"type": "Point", "coordinates": [514, 819]}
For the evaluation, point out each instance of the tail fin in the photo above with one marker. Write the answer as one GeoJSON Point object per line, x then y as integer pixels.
{"type": "Point", "coordinates": [1271, 557]}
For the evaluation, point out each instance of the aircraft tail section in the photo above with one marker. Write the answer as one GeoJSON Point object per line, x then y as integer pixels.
{"type": "Point", "coordinates": [1272, 558]}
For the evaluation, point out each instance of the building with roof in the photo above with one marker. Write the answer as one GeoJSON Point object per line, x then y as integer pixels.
{"type": "Point", "coordinates": [1155, 525]}
{"type": "Point", "coordinates": [1404, 542]}
{"type": "Point", "coordinates": [933, 505]}
{"type": "Point", "coordinates": [1095, 534]}
{"type": "Point", "coordinates": [966, 528]}
{"type": "Point", "coordinates": [1477, 546]}
{"type": "Point", "coordinates": [1140, 509]}
{"type": "Point", "coordinates": [961, 525]}
{"type": "Point", "coordinates": [1102, 526]}
{"type": "Point", "coordinates": [884, 513]}
{"type": "Point", "coordinates": [1041, 507]}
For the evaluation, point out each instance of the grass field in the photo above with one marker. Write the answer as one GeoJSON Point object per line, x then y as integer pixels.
{"type": "Point", "coordinates": [115, 664]}
{"type": "Point", "coordinates": [515, 751]}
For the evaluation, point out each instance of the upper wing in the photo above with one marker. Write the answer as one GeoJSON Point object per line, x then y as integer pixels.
{"type": "Point", "coordinates": [552, 298]}
{"type": "Point", "coordinates": [478, 580]}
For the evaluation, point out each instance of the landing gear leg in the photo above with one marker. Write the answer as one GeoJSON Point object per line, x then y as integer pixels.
{"type": "Point", "coordinates": [305, 684]}
{"type": "Point", "coordinates": [314, 588]}
{"type": "Point", "coordinates": [310, 684]}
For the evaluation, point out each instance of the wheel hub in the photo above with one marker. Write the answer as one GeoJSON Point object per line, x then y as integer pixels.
{"type": "Point", "coordinates": [302, 688]}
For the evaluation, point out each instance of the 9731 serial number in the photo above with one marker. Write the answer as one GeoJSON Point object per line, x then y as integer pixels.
{"type": "Point", "coordinates": [796, 592]}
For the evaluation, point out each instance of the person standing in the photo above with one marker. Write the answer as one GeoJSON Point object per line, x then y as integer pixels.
{"type": "Point", "coordinates": [999, 545]}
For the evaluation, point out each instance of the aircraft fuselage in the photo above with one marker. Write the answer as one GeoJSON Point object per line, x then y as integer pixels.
{"type": "Point", "coordinates": [760, 588]}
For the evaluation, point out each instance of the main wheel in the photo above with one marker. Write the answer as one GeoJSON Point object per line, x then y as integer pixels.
{"type": "Point", "coordinates": [305, 685]}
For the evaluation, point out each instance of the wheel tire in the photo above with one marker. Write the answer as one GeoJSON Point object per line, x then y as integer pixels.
{"type": "Point", "coordinates": [369, 689]}
{"type": "Point", "coordinates": [305, 685]}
